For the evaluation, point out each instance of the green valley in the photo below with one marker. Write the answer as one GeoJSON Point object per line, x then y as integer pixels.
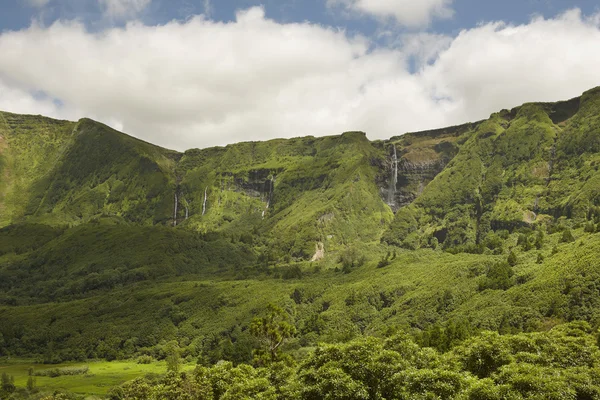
{"type": "Point", "coordinates": [462, 262]}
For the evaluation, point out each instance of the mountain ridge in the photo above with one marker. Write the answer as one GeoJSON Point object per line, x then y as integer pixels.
{"type": "Point", "coordinates": [239, 186]}
{"type": "Point", "coordinates": [121, 247]}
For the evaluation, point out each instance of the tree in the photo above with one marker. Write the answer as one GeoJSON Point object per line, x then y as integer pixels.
{"type": "Point", "coordinates": [272, 330]}
{"type": "Point", "coordinates": [31, 383]}
{"type": "Point", "coordinates": [173, 359]}
{"type": "Point", "coordinates": [8, 383]}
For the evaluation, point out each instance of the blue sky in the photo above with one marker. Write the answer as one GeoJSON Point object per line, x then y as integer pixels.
{"type": "Point", "coordinates": [17, 14]}
{"type": "Point", "coordinates": [250, 70]}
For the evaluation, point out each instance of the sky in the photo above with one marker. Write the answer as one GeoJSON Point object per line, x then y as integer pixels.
{"type": "Point", "coordinates": [197, 73]}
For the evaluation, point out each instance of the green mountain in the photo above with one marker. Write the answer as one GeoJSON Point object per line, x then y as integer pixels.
{"type": "Point", "coordinates": [112, 247]}
{"type": "Point", "coordinates": [64, 173]}
{"type": "Point", "coordinates": [533, 165]}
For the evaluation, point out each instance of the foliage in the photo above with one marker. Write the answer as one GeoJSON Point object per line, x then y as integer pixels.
{"type": "Point", "coordinates": [55, 372]}
{"type": "Point", "coordinates": [550, 364]}
{"type": "Point", "coordinates": [272, 330]}
{"type": "Point", "coordinates": [113, 248]}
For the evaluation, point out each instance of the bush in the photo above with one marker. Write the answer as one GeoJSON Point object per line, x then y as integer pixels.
{"type": "Point", "coordinates": [567, 236]}
{"type": "Point", "coordinates": [351, 258]}
{"type": "Point", "coordinates": [145, 359]}
{"type": "Point", "coordinates": [56, 372]}
{"type": "Point", "coordinates": [590, 227]}
{"type": "Point", "coordinates": [498, 277]}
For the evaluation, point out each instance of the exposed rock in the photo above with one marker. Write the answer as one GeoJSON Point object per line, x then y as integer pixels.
{"type": "Point", "coordinates": [319, 252]}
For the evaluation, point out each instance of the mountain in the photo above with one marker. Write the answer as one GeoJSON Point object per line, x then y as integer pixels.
{"type": "Point", "coordinates": [59, 172]}
{"type": "Point", "coordinates": [535, 164]}
{"type": "Point", "coordinates": [111, 246]}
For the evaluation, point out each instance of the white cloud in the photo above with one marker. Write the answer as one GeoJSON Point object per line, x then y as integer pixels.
{"type": "Point", "coordinates": [37, 3]}
{"type": "Point", "coordinates": [122, 8]}
{"type": "Point", "coordinates": [200, 83]}
{"type": "Point", "coordinates": [412, 13]}
{"type": "Point", "coordinates": [499, 66]}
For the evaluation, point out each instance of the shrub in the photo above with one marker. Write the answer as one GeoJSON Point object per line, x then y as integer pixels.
{"type": "Point", "coordinates": [567, 236]}
{"type": "Point", "coordinates": [145, 359]}
{"type": "Point", "coordinates": [56, 372]}
{"type": "Point", "coordinates": [498, 277]}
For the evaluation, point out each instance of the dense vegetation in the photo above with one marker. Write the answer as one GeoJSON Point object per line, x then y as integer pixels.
{"type": "Point", "coordinates": [461, 262]}
{"type": "Point", "coordinates": [562, 363]}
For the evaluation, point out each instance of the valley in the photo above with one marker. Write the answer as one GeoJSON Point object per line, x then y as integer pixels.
{"type": "Point", "coordinates": [429, 244]}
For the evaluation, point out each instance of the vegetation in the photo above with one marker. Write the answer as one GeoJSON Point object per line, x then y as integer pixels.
{"type": "Point", "coordinates": [297, 269]}
{"type": "Point", "coordinates": [561, 363]}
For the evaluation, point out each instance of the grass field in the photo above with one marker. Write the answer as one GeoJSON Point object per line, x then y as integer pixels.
{"type": "Point", "coordinates": [102, 375]}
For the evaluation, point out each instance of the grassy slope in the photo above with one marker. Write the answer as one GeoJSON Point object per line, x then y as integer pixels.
{"type": "Point", "coordinates": [106, 172]}
{"type": "Point", "coordinates": [60, 172]}
{"type": "Point", "coordinates": [105, 255]}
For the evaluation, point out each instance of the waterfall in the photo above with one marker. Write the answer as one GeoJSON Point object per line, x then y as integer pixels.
{"type": "Point", "coordinates": [204, 203]}
{"type": "Point", "coordinates": [187, 212]}
{"type": "Point", "coordinates": [393, 180]}
{"type": "Point", "coordinates": [175, 211]}
{"type": "Point", "coordinates": [269, 197]}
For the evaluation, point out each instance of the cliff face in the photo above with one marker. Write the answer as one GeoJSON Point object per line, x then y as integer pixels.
{"type": "Point", "coordinates": [534, 164]}
{"type": "Point", "coordinates": [299, 191]}
{"type": "Point", "coordinates": [413, 160]}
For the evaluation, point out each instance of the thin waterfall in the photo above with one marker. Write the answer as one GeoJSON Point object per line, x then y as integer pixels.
{"type": "Point", "coordinates": [175, 211]}
{"type": "Point", "coordinates": [270, 196]}
{"type": "Point", "coordinates": [204, 202]}
{"type": "Point", "coordinates": [187, 212]}
{"type": "Point", "coordinates": [393, 179]}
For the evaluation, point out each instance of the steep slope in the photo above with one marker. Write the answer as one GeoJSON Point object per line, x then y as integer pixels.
{"type": "Point", "coordinates": [307, 192]}
{"type": "Point", "coordinates": [106, 172]}
{"type": "Point", "coordinates": [29, 147]}
{"type": "Point", "coordinates": [535, 164]}
{"type": "Point", "coordinates": [60, 172]}
{"type": "Point", "coordinates": [300, 191]}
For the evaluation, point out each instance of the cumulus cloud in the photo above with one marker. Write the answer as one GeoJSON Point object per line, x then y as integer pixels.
{"type": "Point", "coordinates": [412, 13]}
{"type": "Point", "coordinates": [200, 83]}
{"type": "Point", "coordinates": [122, 8]}
{"type": "Point", "coordinates": [498, 65]}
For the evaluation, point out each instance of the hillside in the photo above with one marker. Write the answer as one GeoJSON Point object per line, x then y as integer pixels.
{"type": "Point", "coordinates": [111, 247]}
{"type": "Point", "coordinates": [533, 165]}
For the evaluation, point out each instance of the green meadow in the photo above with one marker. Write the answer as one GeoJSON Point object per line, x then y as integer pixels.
{"type": "Point", "coordinates": [101, 376]}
